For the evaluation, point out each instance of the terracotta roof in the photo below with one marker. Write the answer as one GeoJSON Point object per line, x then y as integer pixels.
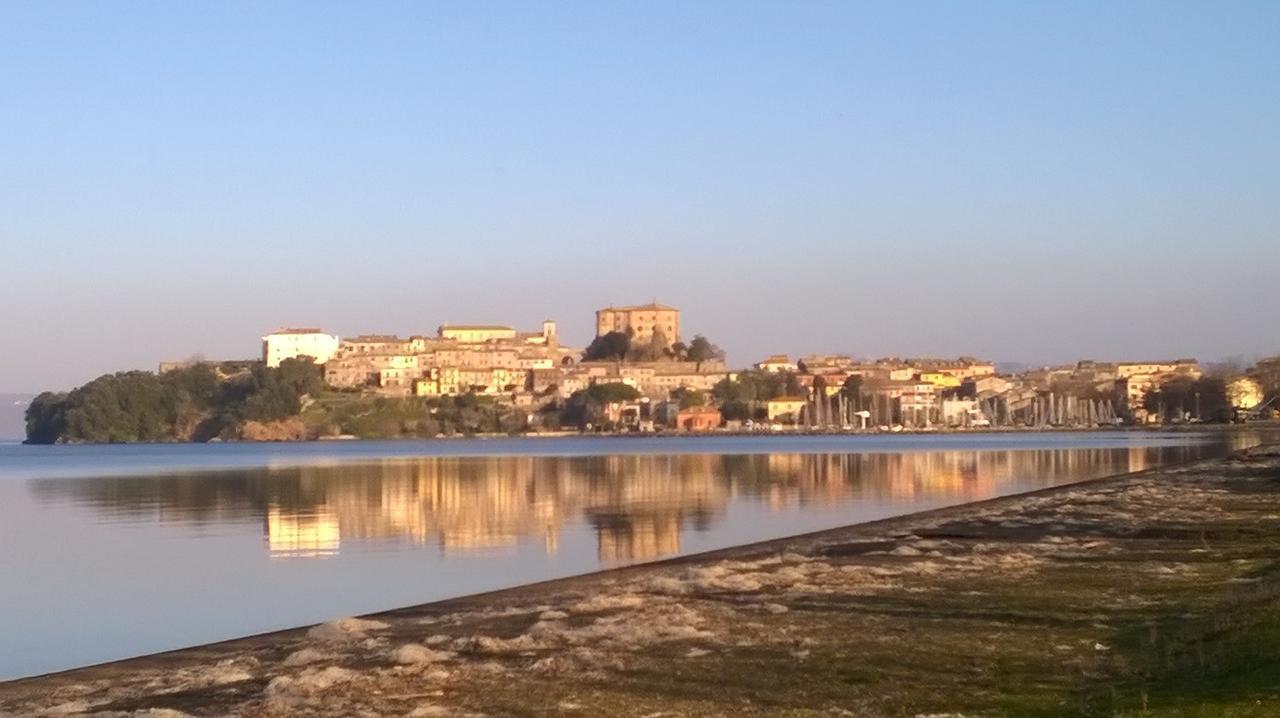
{"type": "Point", "coordinates": [474, 327]}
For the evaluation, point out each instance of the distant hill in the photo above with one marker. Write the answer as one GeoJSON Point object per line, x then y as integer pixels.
{"type": "Point", "coordinates": [12, 410]}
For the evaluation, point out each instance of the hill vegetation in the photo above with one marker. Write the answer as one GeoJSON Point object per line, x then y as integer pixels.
{"type": "Point", "coordinates": [195, 403]}
{"type": "Point", "coordinates": [205, 402]}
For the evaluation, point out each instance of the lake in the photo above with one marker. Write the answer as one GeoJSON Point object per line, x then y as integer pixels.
{"type": "Point", "coordinates": [115, 551]}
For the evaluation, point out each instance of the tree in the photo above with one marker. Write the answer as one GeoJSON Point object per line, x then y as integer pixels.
{"type": "Point", "coordinates": [46, 418]}
{"type": "Point", "coordinates": [1203, 398]}
{"type": "Point", "coordinates": [184, 404]}
{"type": "Point", "coordinates": [609, 393]}
{"type": "Point", "coordinates": [653, 350]}
{"type": "Point", "coordinates": [688, 398]}
{"type": "Point", "coordinates": [700, 350]}
{"type": "Point", "coordinates": [756, 385]}
{"type": "Point", "coordinates": [608, 347]}
{"type": "Point", "coordinates": [585, 404]}
{"type": "Point", "coordinates": [735, 411]}
{"type": "Point", "coordinates": [277, 393]}
{"type": "Point", "coordinates": [852, 390]}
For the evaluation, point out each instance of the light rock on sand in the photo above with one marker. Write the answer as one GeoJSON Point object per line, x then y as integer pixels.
{"type": "Point", "coordinates": [306, 656]}
{"type": "Point", "coordinates": [429, 711]}
{"type": "Point", "coordinates": [69, 708]}
{"type": "Point", "coordinates": [413, 654]}
{"type": "Point", "coordinates": [667, 585]}
{"type": "Point", "coordinates": [606, 602]}
{"type": "Point", "coordinates": [309, 682]}
{"type": "Point", "coordinates": [222, 675]}
{"type": "Point", "coordinates": [345, 629]}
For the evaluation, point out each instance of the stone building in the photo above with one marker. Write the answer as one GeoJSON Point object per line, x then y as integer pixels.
{"type": "Point", "coordinates": [641, 322]}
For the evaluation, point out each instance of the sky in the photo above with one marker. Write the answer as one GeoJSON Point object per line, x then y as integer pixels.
{"type": "Point", "coordinates": [1029, 182]}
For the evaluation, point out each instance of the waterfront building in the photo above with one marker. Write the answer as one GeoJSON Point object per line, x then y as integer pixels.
{"type": "Point", "coordinates": [640, 322]}
{"type": "Point", "coordinates": [787, 409]}
{"type": "Point", "coordinates": [698, 418]}
{"type": "Point", "coordinates": [909, 402]}
{"type": "Point", "coordinates": [962, 412]}
{"type": "Point", "coordinates": [298, 343]}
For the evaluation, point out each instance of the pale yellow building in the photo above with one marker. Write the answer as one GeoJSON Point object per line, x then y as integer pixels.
{"type": "Point", "coordinates": [1187, 367]}
{"type": "Point", "coordinates": [476, 333]}
{"type": "Point", "coordinates": [298, 343]}
{"type": "Point", "coordinates": [450, 381]}
{"type": "Point", "coordinates": [785, 407]}
{"type": "Point", "coordinates": [640, 322]}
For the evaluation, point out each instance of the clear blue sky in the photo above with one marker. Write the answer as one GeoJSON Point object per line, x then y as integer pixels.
{"type": "Point", "coordinates": [1025, 181]}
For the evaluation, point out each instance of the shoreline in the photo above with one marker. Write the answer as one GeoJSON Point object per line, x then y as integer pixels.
{"type": "Point", "coordinates": [677, 434]}
{"type": "Point", "coordinates": [575, 636]}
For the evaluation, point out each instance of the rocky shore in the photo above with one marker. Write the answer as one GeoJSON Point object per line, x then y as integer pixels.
{"type": "Point", "coordinates": [1150, 594]}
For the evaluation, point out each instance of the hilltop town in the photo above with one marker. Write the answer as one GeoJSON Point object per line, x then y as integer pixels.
{"type": "Point", "coordinates": [639, 374]}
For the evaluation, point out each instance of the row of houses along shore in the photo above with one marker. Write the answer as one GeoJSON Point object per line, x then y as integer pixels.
{"type": "Point", "coordinates": [695, 390]}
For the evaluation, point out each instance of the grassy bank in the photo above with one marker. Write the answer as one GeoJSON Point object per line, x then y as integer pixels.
{"type": "Point", "coordinates": [1153, 594]}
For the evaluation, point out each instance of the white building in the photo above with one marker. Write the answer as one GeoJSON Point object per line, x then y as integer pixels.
{"type": "Point", "coordinates": [297, 343]}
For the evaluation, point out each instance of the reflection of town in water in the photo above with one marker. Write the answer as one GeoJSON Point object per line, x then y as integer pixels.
{"type": "Point", "coordinates": [638, 506]}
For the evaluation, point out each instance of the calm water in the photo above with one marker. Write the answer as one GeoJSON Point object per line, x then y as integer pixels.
{"type": "Point", "coordinates": [115, 551]}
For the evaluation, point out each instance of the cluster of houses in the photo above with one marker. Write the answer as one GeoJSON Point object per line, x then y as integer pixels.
{"type": "Point", "coordinates": [533, 370]}
{"type": "Point", "coordinates": [967, 392]}
{"type": "Point", "coordinates": [527, 369]}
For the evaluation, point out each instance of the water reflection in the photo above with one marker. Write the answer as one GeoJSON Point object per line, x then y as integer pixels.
{"type": "Point", "coordinates": [637, 506]}
{"type": "Point", "coordinates": [98, 568]}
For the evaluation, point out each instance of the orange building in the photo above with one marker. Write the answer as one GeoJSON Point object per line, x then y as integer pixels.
{"type": "Point", "coordinates": [698, 418]}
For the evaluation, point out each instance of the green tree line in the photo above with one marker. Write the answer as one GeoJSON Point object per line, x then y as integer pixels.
{"type": "Point", "coordinates": [195, 403]}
